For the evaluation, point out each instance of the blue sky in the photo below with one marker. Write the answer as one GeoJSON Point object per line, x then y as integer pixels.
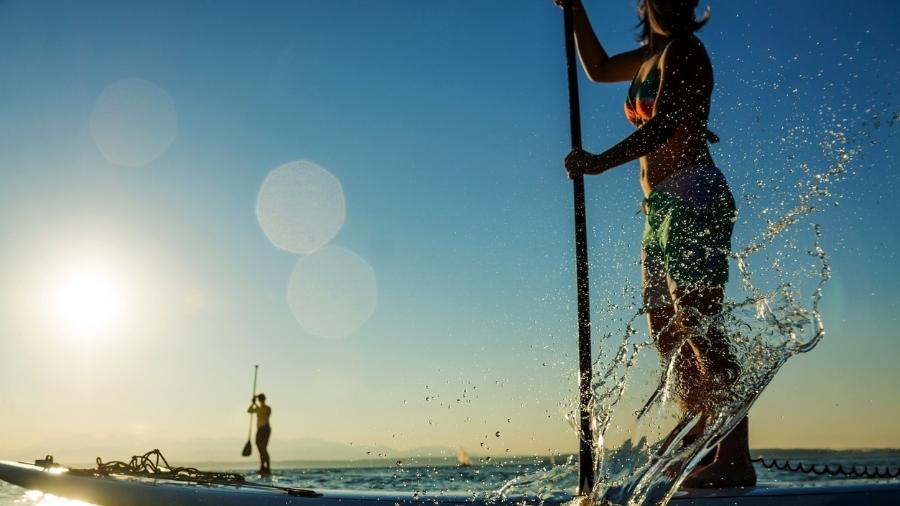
{"type": "Point", "coordinates": [445, 123]}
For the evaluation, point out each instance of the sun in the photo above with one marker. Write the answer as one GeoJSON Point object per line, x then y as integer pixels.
{"type": "Point", "coordinates": [88, 300]}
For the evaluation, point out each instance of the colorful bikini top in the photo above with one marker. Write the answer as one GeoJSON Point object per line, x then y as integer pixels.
{"type": "Point", "coordinates": [640, 100]}
{"type": "Point", "coordinates": [639, 107]}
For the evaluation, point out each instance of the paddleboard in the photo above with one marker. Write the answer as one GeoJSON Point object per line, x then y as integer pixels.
{"type": "Point", "coordinates": [130, 491]}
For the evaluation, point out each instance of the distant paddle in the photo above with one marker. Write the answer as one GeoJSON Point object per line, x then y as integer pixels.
{"type": "Point", "coordinates": [248, 448]}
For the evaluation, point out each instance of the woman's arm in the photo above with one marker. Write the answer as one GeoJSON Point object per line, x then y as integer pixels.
{"type": "Point", "coordinates": [597, 64]}
{"type": "Point", "coordinates": [684, 89]}
{"type": "Point", "coordinates": [642, 142]}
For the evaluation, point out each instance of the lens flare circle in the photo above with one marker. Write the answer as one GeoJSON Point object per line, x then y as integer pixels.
{"type": "Point", "coordinates": [300, 207]}
{"type": "Point", "coordinates": [332, 292]}
{"type": "Point", "coordinates": [133, 122]}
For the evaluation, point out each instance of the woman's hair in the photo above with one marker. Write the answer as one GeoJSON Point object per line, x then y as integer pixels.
{"type": "Point", "coordinates": [669, 17]}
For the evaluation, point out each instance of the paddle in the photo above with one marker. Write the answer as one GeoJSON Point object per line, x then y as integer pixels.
{"type": "Point", "coordinates": [248, 448]}
{"type": "Point", "coordinates": [585, 454]}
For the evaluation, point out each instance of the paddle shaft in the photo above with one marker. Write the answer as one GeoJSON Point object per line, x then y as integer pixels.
{"type": "Point", "coordinates": [250, 429]}
{"type": "Point", "coordinates": [585, 453]}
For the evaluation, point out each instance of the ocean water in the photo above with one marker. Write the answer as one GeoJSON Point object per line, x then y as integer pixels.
{"type": "Point", "coordinates": [487, 478]}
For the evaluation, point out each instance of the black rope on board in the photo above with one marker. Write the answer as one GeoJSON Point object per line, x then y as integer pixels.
{"type": "Point", "coordinates": [830, 470]}
{"type": "Point", "coordinates": [154, 465]}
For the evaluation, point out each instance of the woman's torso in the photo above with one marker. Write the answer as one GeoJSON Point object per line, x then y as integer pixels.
{"type": "Point", "coordinates": [688, 145]}
{"type": "Point", "coordinates": [262, 415]}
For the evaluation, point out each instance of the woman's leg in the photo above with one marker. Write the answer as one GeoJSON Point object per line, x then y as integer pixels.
{"type": "Point", "coordinates": [686, 247]}
{"type": "Point", "coordinates": [716, 369]}
{"type": "Point", "coordinates": [674, 347]}
{"type": "Point", "coordinates": [679, 352]}
{"type": "Point", "coordinates": [262, 444]}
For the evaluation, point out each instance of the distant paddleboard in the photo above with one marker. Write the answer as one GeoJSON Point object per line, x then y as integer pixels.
{"type": "Point", "coordinates": [124, 490]}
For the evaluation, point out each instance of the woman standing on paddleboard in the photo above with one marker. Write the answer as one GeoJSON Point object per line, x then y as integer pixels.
{"type": "Point", "coordinates": [263, 431]}
{"type": "Point", "coordinates": [689, 209]}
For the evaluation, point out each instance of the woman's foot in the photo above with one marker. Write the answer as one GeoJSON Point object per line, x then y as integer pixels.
{"type": "Point", "coordinates": [721, 474]}
{"type": "Point", "coordinates": [731, 467]}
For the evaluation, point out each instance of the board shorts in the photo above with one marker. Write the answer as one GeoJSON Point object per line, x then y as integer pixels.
{"type": "Point", "coordinates": [687, 234]}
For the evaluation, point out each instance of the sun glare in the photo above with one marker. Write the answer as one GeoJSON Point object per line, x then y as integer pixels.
{"type": "Point", "coordinates": [88, 301]}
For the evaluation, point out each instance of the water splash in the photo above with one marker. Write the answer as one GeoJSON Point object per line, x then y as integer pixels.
{"type": "Point", "coordinates": [646, 443]}
{"type": "Point", "coordinates": [772, 319]}
{"type": "Point", "coordinates": [542, 484]}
